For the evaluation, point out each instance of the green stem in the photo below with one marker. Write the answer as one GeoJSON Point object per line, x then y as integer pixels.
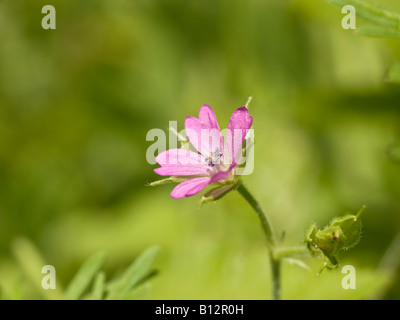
{"type": "Point", "coordinates": [266, 225]}
{"type": "Point", "coordinates": [270, 237]}
{"type": "Point", "coordinates": [276, 278]}
{"type": "Point", "coordinates": [291, 252]}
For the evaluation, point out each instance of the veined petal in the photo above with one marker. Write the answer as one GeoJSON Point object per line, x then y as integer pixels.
{"type": "Point", "coordinates": [207, 118]}
{"type": "Point", "coordinates": [193, 132]}
{"type": "Point", "coordinates": [182, 170]}
{"type": "Point", "coordinates": [239, 123]}
{"type": "Point", "coordinates": [179, 157]}
{"type": "Point", "coordinates": [204, 133]}
{"type": "Point", "coordinates": [190, 187]}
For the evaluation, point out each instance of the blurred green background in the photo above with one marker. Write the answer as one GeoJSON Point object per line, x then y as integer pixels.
{"type": "Point", "coordinates": [77, 102]}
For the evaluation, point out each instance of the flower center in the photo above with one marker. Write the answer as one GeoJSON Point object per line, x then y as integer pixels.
{"type": "Point", "coordinates": [214, 158]}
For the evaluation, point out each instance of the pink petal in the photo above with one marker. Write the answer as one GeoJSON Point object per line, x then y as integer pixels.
{"type": "Point", "coordinates": [180, 157]}
{"type": "Point", "coordinates": [190, 187]}
{"type": "Point", "coordinates": [180, 170]}
{"type": "Point", "coordinates": [221, 175]}
{"type": "Point", "coordinates": [204, 133]}
{"type": "Point", "coordinates": [239, 123]}
{"type": "Point", "coordinates": [207, 118]}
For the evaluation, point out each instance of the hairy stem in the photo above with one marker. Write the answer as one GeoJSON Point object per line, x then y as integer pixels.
{"type": "Point", "coordinates": [266, 225]}
{"type": "Point", "coordinates": [270, 238]}
{"type": "Point", "coordinates": [276, 278]}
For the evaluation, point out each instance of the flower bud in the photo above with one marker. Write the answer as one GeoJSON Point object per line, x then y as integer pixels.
{"type": "Point", "coordinates": [342, 233]}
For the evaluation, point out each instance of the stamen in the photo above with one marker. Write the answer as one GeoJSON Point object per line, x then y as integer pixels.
{"type": "Point", "coordinates": [214, 158]}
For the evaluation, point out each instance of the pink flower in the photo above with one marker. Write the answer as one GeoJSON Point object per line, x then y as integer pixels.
{"type": "Point", "coordinates": [215, 161]}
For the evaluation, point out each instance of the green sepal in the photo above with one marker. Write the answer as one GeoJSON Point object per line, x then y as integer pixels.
{"type": "Point", "coordinates": [351, 228]}
{"type": "Point", "coordinates": [160, 182]}
{"type": "Point", "coordinates": [171, 179]}
{"type": "Point", "coordinates": [216, 193]}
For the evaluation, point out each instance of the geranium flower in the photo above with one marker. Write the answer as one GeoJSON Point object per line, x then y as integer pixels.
{"type": "Point", "coordinates": [215, 161]}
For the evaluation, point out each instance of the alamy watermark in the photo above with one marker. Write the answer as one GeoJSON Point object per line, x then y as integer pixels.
{"type": "Point", "coordinates": [49, 20]}
{"type": "Point", "coordinates": [49, 280]}
{"type": "Point", "coordinates": [349, 21]}
{"type": "Point", "coordinates": [349, 280]}
{"type": "Point", "coordinates": [208, 145]}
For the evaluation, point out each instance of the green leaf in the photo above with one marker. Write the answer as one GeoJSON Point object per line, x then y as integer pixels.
{"type": "Point", "coordinates": [97, 292]}
{"type": "Point", "coordinates": [31, 262]}
{"type": "Point", "coordinates": [136, 292]}
{"type": "Point", "coordinates": [379, 32]}
{"type": "Point", "coordinates": [136, 273]}
{"type": "Point", "coordinates": [84, 276]}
